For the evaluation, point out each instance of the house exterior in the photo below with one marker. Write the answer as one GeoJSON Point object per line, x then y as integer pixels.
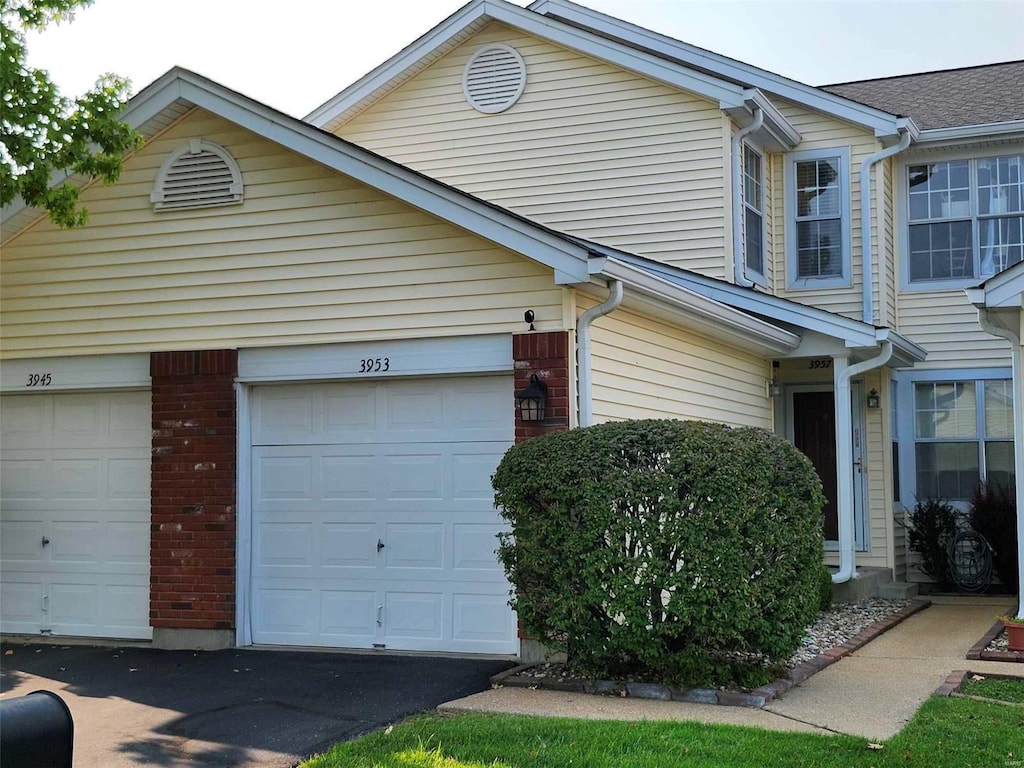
{"type": "Point", "coordinates": [258, 398]}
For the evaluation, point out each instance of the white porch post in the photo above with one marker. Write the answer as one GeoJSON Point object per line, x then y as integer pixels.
{"type": "Point", "coordinates": [844, 468]}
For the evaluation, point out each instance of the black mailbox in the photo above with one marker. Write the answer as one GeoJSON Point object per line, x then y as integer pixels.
{"type": "Point", "coordinates": [36, 731]}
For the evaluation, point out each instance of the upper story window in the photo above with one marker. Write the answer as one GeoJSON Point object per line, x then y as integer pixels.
{"type": "Point", "coordinates": [753, 212]}
{"type": "Point", "coordinates": [818, 218]}
{"type": "Point", "coordinates": [965, 219]}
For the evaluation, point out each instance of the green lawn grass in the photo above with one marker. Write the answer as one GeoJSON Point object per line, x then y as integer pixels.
{"type": "Point", "coordinates": [995, 688]}
{"type": "Point", "coordinates": [945, 733]}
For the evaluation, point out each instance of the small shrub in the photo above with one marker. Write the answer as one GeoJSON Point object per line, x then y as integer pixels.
{"type": "Point", "coordinates": [664, 548]}
{"type": "Point", "coordinates": [994, 515]}
{"type": "Point", "coordinates": [932, 525]}
{"type": "Point", "coordinates": [826, 589]}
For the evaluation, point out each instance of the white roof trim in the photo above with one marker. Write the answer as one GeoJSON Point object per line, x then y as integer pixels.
{"type": "Point", "coordinates": [571, 260]}
{"type": "Point", "coordinates": [706, 315]}
{"type": "Point", "coordinates": [546, 28]}
{"type": "Point", "coordinates": [981, 132]}
{"type": "Point", "coordinates": [854, 333]}
{"type": "Point", "coordinates": [1003, 291]}
{"type": "Point", "coordinates": [882, 123]}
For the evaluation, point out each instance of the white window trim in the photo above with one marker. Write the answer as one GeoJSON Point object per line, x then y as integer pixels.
{"type": "Point", "coordinates": [903, 215]}
{"type": "Point", "coordinates": [759, 278]}
{"type": "Point", "coordinates": [906, 381]}
{"type": "Point", "coordinates": [794, 283]}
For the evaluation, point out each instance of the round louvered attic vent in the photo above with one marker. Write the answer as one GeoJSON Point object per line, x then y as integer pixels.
{"type": "Point", "coordinates": [494, 78]}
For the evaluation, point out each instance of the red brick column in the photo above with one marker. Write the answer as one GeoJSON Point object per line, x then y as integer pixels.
{"type": "Point", "coordinates": [192, 533]}
{"type": "Point", "coordinates": [547, 355]}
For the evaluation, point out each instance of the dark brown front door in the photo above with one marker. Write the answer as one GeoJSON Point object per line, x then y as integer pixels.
{"type": "Point", "coordinates": [814, 433]}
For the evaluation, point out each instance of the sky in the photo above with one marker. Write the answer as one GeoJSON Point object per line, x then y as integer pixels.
{"type": "Point", "coordinates": [295, 55]}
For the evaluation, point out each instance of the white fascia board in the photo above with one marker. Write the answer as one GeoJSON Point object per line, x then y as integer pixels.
{"type": "Point", "coordinates": [706, 315]}
{"type": "Point", "coordinates": [783, 130]}
{"type": "Point", "coordinates": [882, 123]}
{"type": "Point", "coordinates": [905, 352]}
{"type": "Point", "coordinates": [546, 28]}
{"type": "Point", "coordinates": [853, 332]}
{"type": "Point", "coordinates": [408, 57]}
{"type": "Point", "coordinates": [625, 56]}
{"type": "Point", "coordinates": [1002, 291]}
{"type": "Point", "coordinates": [934, 137]}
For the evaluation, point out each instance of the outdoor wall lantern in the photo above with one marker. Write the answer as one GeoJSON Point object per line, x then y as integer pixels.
{"type": "Point", "coordinates": [533, 399]}
{"type": "Point", "coordinates": [873, 400]}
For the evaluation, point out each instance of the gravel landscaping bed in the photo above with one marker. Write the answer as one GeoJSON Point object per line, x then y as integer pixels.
{"type": "Point", "coordinates": [834, 634]}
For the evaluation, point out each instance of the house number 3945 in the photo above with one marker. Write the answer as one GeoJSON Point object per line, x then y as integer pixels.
{"type": "Point", "coordinates": [374, 365]}
{"type": "Point", "coordinates": [39, 380]}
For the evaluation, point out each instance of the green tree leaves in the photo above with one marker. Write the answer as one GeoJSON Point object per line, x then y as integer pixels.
{"type": "Point", "coordinates": [45, 135]}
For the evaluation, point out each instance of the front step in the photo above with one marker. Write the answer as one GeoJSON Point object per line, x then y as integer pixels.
{"type": "Point", "coordinates": [897, 590]}
{"type": "Point", "coordinates": [864, 585]}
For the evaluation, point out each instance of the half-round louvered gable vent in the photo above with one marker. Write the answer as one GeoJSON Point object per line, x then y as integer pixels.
{"type": "Point", "coordinates": [494, 78]}
{"type": "Point", "coordinates": [197, 175]}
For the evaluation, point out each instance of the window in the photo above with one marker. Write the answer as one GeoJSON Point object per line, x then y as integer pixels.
{"type": "Point", "coordinates": [966, 218]}
{"type": "Point", "coordinates": [963, 432]}
{"type": "Point", "coordinates": [818, 211]}
{"type": "Point", "coordinates": [753, 211]}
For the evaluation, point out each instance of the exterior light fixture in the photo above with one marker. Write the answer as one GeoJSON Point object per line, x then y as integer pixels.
{"type": "Point", "coordinates": [532, 400]}
{"type": "Point", "coordinates": [873, 399]}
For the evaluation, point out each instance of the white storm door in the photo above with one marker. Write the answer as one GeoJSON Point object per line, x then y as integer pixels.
{"type": "Point", "coordinates": [373, 516]}
{"type": "Point", "coordinates": [75, 514]}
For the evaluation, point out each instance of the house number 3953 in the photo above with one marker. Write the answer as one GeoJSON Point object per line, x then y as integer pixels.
{"type": "Point", "coordinates": [374, 365]}
{"type": "Point", "coordinates": [39, 380]}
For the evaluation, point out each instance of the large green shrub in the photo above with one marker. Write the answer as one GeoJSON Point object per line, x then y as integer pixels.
{"type": "Point", "coordinates": [664, 548]}
{"type": "Point", "coordinates": [932, 526]}
{"type": "Point", "coordinates": [994, 515]}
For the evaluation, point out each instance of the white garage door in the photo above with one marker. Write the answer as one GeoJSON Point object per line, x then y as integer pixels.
{"type": "Point", "coordinates": [74, 514]}
{"type": "Point", "coordinates": [373, 516]}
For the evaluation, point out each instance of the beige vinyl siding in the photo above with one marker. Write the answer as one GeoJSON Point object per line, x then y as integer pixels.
{"type": "Point", "coordinates": [823, 132]}
{"type": "Point", "coordinates": [589, 149]}
{"type": "Point", "coordinates": [877, 471]}
{"type": "Point", "coordinates": [310, 257]}
{"type": "Point", "coordinates": [645, 368]}
{"type": "Point", "coordinates": [946, 324]}
{"type": "Point", "coordinates": [886, 259]}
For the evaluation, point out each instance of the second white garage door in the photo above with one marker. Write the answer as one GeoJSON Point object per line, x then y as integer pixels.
{"type": "Point", "coordinates": [373, 515]}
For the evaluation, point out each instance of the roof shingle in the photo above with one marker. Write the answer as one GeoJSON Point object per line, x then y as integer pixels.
{"type": "Point", "coordinates": [993, 93]}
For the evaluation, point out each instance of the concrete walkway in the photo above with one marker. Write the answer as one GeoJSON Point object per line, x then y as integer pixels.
{"type": "Point", "coordinates": [871, 693]}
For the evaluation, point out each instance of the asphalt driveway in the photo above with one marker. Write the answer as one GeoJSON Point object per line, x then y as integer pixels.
{"type": "Point", "coordinates": [135, 706]}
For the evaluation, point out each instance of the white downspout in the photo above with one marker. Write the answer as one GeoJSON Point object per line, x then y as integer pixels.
{"type": "Point", "coordinates": [739, 274]}
{"type": "Point", "coordinates": [583, 349]}
{"type": "Point", "coordinates": [865, 220]}
{"type": "Point", "coordinates": [1018, 436]}
{"type": "Point", "coordinates": [843, 373]}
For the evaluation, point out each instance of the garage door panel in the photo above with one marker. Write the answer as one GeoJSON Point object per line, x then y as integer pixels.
{"type": "Point", "coordinates": [76, 469]}
{"type": "Point", "coordinates": [25, 478]}
{"type": "Point", "coordinates": [349, 545]}
{"type": "Point", "coordinates": [285, 545]}
{"type": "Point", "coordinates": [284, 615]}
{"type": "Point", "coordinates": [348, 617]}
{"type": "Point", "coordinates": [481, 618]}
{"type": "Point", "coordinates": [473, 548]}
{"type": "Point", "coordinates": [349, 477]}
{"type": "Point", "coordinates": [21, 605]}
{"type": "Point", "coordinates": [401, 463]}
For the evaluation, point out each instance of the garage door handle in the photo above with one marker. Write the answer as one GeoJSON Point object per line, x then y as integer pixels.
{"type": "Point", "coordinates": [380, 545]}
{"type": "Point", "coordinates": [380, 615]}
{"type": "Point", "coordinates": [46, 540]}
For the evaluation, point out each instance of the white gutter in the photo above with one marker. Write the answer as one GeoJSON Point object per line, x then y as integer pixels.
{"type": "Point", "coordinates": [1018, 434]}
{"type": "Point", "coordinates": [865, 219]}
{"type": "Point", "coordinates": [737, 198]}
{"type": "Point", "coordinates": [843, 373]}
{"type": "Point", "coordinates": [583, 349]}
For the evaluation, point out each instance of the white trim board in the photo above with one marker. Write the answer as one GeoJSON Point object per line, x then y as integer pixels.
{"type": "Point", "coordinates": [56, 374]}
{"type": "Point", "coordinates": [385, 359]}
